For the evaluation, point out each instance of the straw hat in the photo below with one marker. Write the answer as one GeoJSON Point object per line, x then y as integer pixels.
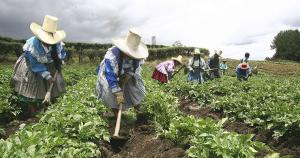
{"type": "Point", "coordinates": [179, 59]}
{"type": "Point", "coordinates": [132, 45]}
{"type": "Point", "coordinates": [48, 32]}
{"type": "Point", "coordinates": [197, 52]}
{"type": "Point", "coordinates": [218, 53]}
{"type": "Point", "coordinates": [244, 66]}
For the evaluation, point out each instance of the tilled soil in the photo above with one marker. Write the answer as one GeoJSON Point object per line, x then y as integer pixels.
{"type": "Point", "coordinates": [142, 142]}
{"type": "Point", "coordinates": [286, 145]}
{"type": "Point", "coordinates": [13, 126]}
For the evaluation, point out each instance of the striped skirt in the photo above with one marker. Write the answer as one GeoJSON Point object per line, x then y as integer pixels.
{"type": "Point", "coordinates": [134, 92]}
{"type": "Point", "coordinates": [32, 85]}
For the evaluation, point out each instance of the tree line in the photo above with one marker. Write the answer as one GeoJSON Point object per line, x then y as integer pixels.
{"type": "Point", "coordinates": [287, 45]}
{"type": "Point", "coordinates": [92, 51]}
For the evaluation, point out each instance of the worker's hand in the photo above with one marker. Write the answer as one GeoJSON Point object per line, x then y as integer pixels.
{"type": "Point", "coordinates": [51, 80]}
{"type": "Point", "coordinates": [119, 97]}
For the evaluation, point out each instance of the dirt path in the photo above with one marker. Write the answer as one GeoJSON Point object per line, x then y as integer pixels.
{"type": "Point", "coordinates": [142, 143]}
{"type": "Point", "coordinates": [287, 145]}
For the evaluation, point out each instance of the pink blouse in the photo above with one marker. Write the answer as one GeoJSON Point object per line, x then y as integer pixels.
{"type": "Point", "coordinates": [166, 67]}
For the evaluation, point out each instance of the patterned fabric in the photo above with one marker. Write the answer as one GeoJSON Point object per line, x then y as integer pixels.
{"type": "Point", "coordinates": [167, 68]}
{"type": "Point", "coordinates": [112, 64]}
{"type": "Point", "coordinates": [109, 77]}
{"type": "Point", "coordinates": [37, 55]}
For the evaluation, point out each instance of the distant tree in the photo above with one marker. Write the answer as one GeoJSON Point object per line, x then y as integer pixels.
{"type": "Point", "coordinates": [177, 44]}
{"type": "Point", "coordinates": [287, 45]}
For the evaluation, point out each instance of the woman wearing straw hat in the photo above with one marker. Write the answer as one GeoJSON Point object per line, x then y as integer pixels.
{"type": "Point", "coordinates": [214, 64]}
{"type": "Point", "coordinates": [163, 71]}
{"type": "Point", "coordinates": [243, 71]}
{"type": "Point", "coordinates": [196, 67]}
{"type": "Point", "coordinates": [35, 69]}
{"type": "Point", "coordinates": [119, 78]}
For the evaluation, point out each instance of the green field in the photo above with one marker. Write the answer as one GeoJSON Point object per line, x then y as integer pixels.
{"type": "Point", "coordinates": [75, 125]}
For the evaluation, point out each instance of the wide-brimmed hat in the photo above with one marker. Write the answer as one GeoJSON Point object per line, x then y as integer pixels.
{"type": "Point", "coordinates": [197, 52]}
{"type": "Point", "coordinates": [132, 45]}
{"type": "Point", "coordinates": [218, 53]}
{"type": "Point", "coordinates": [48, 32]}
{"type": "Point", "coordinates": [244, 66]}
{"type": "Point", "coordinates": [179, 59]}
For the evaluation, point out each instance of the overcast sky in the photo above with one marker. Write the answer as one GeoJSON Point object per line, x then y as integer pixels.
{"type": "Point", "coordinates": [234, 26]}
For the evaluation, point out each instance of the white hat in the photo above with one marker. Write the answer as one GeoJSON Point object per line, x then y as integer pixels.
{"type": "Point", "coordinates": [179, 59]}
{"type": "Point", "coordinates": [48, 33]}
{"type": "Point", "coordinates": [132, 45]}
{"type": "Point", "coordinates": [197, 51]}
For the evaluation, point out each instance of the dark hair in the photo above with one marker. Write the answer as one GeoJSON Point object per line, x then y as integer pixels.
{"type": "Point", "coordinates": [54, 55]}
{"type": "Point", "coordinates": [247, 54]}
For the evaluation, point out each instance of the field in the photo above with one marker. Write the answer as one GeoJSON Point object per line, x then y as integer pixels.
{"type": "Point", "coordinates": [222, 118]}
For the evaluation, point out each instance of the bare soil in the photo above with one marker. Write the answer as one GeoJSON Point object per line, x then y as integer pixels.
{"type": "Point", "coordinates": [142, 142]}
{"type": "Point", "coordinates": [289, 144]}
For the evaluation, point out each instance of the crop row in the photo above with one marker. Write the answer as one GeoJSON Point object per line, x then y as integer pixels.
{"type": "Point", "coordinates": [70, 128]}
{"type": "Point", "coordinates": [204, 137]}
{"type": "Point", "coordinates": [264, 101]}
{"type": "Point", "coordinates": [9, 104]}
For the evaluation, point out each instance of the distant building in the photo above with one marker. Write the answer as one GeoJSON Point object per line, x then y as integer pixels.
{"type": "Point", "coordinates": [153, 40]}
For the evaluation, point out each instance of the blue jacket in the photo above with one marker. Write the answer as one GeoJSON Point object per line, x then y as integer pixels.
{"type": "Point", "coordinates": [37, 57]}
{"type": "Point", "coordinates": [113, 68]}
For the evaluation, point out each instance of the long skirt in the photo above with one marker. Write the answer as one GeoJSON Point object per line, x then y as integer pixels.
{"type": "Point", "coordinates": [134, 92]}
{"type": "Point", "coordinates": [196, 76]}
{"type": "Point", "coordinates": [159, 76]}
{"type": "Point", "coordinates": [32, 85]}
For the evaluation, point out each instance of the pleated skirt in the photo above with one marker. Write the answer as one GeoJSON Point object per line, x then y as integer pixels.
{"type": "Point", "coordinates": [32, 85]}
{"type": "Point", "coordinates": [134, 92]}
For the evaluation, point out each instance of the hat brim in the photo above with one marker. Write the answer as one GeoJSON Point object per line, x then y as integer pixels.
{"type": "Point", "coordinates": [177, 60]}
{"type": "Point", "coordinates": [140, 53]}
{"type": "Point", "coordinates": [197, 53]}
{"type": "Point", "coordinates": [244, 68]}
{"type": "Point", "coordinates": [46, 37]}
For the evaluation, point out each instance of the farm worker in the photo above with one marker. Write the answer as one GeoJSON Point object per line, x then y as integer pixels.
{"type": "Point", "coordinates": [163, 71]}
{"type": "Point", "coordinates": [35, 69]}
{"type": "Point", "coordinates": [196, 67]}
{"type": "Point", "coordinates": [223, 67]}
{"type": "Point", "coordinates": [214, 64]}
{"type": "Point", "coordinates": [206, 68]}
{"type": "Point", "coordinates": [246, 58]}
{"type": "Point", "coordinates": [119, 78]}
{"type": "Point", "coordinates": [243, 71]}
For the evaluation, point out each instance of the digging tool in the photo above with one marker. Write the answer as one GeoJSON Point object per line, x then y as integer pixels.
{"type": "Point", "coordinates": [183, 66]}
{"type": "Point", "coordinates": [116, 135]}
{"type": "Point", "coordinates": [48, 93]}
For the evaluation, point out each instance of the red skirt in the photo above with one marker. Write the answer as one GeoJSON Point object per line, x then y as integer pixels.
{"type": "Point", "coordinates": [160, 76]}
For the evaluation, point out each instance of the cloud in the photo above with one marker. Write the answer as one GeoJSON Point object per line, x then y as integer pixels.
{"type": "Point", "coordinates": [82, 20]}
{"type": "Point", "coordinates": [235, 26]}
